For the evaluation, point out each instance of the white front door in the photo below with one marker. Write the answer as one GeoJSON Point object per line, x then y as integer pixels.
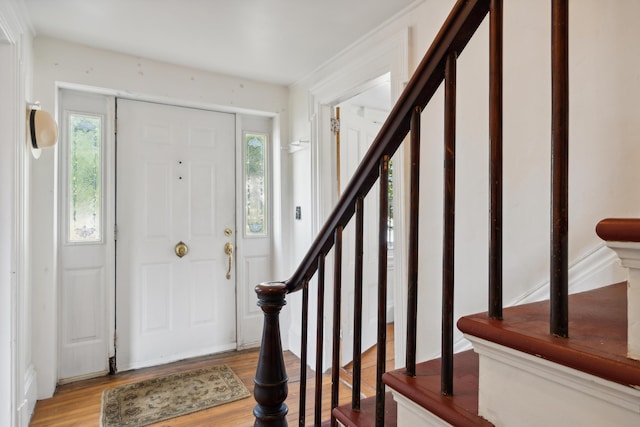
{"type": "Point", "coordinates": [175, 185]}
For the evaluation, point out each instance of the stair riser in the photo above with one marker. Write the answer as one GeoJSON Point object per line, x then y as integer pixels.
{"type": "Point", "coordinates": [519, 389]}
{"type": "Point", "coordinates": [412, 415]}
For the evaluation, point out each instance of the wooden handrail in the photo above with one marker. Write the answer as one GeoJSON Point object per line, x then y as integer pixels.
{"type": "Point", "coordinates": [454, 35]}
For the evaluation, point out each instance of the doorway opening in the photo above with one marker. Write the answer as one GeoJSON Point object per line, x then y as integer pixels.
{"type": "Point", "coordinates": [361, 118]}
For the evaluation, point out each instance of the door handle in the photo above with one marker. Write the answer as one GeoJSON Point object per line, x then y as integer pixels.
{"type": "Point", "coordinates": [228, 249]}
{"type": "Point", "coordinates": [181, 249]}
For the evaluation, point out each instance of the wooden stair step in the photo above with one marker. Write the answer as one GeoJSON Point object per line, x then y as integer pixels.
{"type": "Point", "coordinates": [366, 416]}
{"type": "Point", "coordinates": [597, 342]}
{"type": "Point", "coordinates": [461, 409]}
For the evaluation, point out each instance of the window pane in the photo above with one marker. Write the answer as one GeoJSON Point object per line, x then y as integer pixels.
{"type": "Point", "coordinates": [255, 190]}
{"type": "Point", "coordinates": [85, 171]}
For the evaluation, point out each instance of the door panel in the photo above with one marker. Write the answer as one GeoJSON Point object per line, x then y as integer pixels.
{"type": "Point", "coordinates": [176, 183]}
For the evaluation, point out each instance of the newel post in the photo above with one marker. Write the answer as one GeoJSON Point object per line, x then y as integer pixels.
{"type": "Point", "coordinates": [270, 383]}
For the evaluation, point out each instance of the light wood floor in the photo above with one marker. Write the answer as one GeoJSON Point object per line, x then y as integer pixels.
{"type": "Point", "coordinates": [78, 404]}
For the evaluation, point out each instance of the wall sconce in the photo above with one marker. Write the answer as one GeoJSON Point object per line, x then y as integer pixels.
{"type": "Point", "coordinates": [42, 130]}
{"type": "Point", "coordinates": [301, 144]}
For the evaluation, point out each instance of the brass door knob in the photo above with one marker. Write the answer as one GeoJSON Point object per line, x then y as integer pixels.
{"type": "Point", "coordinates": [181, 249]}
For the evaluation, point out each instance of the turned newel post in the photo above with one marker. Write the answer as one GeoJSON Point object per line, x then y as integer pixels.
{"type": "Point", "coordinates": [270, 390]}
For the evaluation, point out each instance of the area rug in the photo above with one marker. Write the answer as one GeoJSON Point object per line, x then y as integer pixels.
{"type": "Point", "coordinates": [158, 399]}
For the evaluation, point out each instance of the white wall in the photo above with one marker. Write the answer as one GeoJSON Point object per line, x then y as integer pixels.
{"type": "Point", "coordinates": [60, 62]}
{"type": "Point", "coordinates": [604, 124]}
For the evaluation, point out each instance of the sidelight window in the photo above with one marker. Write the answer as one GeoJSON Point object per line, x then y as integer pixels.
{"type": "Point", "coordinates": [85, 178]}
{"type": "Point", "coordinates": [255, 181]}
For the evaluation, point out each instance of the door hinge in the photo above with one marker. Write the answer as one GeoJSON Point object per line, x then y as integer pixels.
{"type": "Point", "coordinates": [115, 231]}
{"type": "Point", "coordinates": [335, 125]}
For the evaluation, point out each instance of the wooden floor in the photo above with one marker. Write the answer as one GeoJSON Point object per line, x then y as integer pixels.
{"type": "Point", "coordinates": [78, 404]}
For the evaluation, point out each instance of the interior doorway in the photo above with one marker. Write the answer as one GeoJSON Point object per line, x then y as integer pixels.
{"type": "Point", "coordinates": [361, 118]}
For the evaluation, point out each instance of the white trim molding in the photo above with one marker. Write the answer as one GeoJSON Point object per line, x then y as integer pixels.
{"type": "Point", "coordinates": [599, 267]}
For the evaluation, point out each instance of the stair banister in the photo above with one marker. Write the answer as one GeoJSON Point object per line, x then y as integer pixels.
{"type": "Point", "coordinates": [383, 247]}
{"type": "Point", "coordinates": [270, 383]}
{"type": "Point", "coordinates": [449, 220]}
{"type": "Point", "coordinates": [412, 270]}
{"type": "Point", "coordinates": [559, 276]}
{"type": "Point", "coordinates": [495, 160]}
{"type": "Point", "coordinates": [357, 315]}
{"type": "Point", "coordinates": [456, 32]}
{"type": "Point", "coordinates": [335, 342]}
{"type": "Point", "coordinates": [317, 418]}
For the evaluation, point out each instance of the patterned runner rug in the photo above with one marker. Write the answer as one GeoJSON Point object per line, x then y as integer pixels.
{"type": "Point", "coordinates": [158, 399]}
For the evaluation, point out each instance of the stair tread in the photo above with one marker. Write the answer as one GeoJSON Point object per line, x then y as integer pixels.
{"type": "Point", "coordinates": [597, 342]}
{"type": "Point", "coordinates": [366, 416]}
{"type": "Point", "coordinates": [424, 389]}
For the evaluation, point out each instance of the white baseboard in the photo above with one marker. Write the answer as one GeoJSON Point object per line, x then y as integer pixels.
{"type": "Point", "coordinates": [248, 345]}
{"type": "Point", "coordinates": [598, 268]}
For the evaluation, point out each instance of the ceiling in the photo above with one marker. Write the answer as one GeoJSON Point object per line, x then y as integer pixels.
{"type": "Point", "coordinates": [275, 41]}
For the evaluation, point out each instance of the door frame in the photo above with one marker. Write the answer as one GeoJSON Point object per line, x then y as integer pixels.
{"type": "Point", "coordinates": [18, 390]}
{"type": "Point", "coordinates": [275, 182]}
{"type": "Point", "coordinates": [362, 129]}
{"type": "Point", "coordinates": [362, 65]}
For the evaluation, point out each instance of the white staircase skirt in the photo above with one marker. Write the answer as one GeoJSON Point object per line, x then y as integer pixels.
{"type": "Point", "coordinates": [629, 254]}
{"type": "Point", "coordinates": [412, 415]}
{"type": "Point", "coordinates": [518, 389]}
